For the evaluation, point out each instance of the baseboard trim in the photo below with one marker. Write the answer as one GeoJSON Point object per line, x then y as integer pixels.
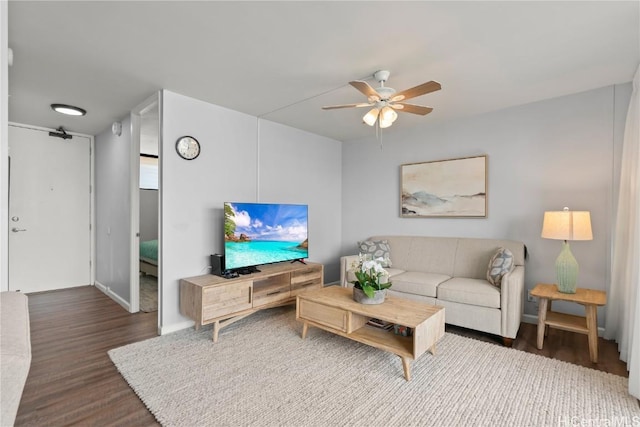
{"type": "Point", "coordinates": [163, 330]}
{"type": "Point", "coordinates": [533, 319]}
{"type": "Point", "coordinates": [117, 298]}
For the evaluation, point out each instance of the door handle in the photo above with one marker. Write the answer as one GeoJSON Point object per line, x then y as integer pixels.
{"type": "Point", "coordinates": [16, 229]}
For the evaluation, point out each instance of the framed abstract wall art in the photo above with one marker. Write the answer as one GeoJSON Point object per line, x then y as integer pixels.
{"type": "Point", "coordinates": [454, 188]}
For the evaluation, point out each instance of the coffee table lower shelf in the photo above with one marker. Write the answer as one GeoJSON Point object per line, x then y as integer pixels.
{"type": "Point", "coordinates": [374, 337]}
{"type": "Point", "coordinates": [333, 309]}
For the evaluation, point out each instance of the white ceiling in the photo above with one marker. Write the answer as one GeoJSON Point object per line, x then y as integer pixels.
{"type": "Point", "coordinates": [284, 60]}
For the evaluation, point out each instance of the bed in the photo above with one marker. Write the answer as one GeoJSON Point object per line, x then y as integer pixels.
{"type": "Point", "coordinates": [149, 257]}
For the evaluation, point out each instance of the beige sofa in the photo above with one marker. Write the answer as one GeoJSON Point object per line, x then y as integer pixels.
{"type": "Point", "coordinates": [451, 272]}
{"type": "Point", "coordinates": [15, 353]}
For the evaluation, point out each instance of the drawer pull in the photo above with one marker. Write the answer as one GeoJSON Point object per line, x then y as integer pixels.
{"type": "Point", "coordinates": [273, 293]}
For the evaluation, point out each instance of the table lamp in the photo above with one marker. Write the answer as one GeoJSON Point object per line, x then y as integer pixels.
{"type": "Point", "coordinates": [567, 225]}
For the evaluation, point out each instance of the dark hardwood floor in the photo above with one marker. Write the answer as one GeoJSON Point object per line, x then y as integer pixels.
{"type": "Point", "coordinates": [562, 345]}
{"type": "Point", "coordinates": [72, 381]}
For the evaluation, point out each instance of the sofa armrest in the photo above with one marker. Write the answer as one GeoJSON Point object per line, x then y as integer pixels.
{"type": "Point", "coordinates": [15, 353]}
{"type": "Point", "coordinates": [347, 262]}
{"type": "Point", "coordinates": [512, 301]}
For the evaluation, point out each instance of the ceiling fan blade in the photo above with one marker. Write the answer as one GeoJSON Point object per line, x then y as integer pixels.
{"type": "Point", "coordinates": [367, 90]}
{"type": "Point", "coordinates": [412, 108]}
{"type": "Point", "coordinates": [419, 90]}
{"type": "Point", "coordinates": [333, 107]}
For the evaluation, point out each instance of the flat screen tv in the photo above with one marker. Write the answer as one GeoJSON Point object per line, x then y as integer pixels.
{"type": "Point", "coordinates": [264, 233]}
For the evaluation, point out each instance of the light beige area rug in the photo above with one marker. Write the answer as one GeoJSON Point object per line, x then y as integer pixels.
{"type": "Point", "coordinates": [261, 373]}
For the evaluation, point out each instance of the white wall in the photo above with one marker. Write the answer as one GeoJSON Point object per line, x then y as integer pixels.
{"type": "Point", "coordinates": [113, 230]}
{"type": "Point", "coordinates": [236, 165]}
{"type": "Point", "coordinates": [193, 191]}
{"type": "Point", "coordinates": [4, 144]}
{"type": "Point", "coordinates": [542, 156]}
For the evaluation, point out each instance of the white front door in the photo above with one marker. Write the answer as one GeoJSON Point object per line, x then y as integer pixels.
{"type": "Point", "coordinates": [49, 211]}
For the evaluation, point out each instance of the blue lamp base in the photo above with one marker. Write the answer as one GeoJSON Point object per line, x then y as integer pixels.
{"type": "Point", "coordinates": [566, 270]}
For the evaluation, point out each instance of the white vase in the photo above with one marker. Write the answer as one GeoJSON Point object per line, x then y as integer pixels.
{"type": "Point", "coordinates": [362, 298]}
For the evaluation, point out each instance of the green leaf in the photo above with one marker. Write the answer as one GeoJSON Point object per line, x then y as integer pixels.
{"type": "Point", "coordinates": [385, 285]}
{"type": "Point", "coordinates": [368, 290]}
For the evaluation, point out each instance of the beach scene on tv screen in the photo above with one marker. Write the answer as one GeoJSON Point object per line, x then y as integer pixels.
{"type": "Point", "coordinates": [262, 233]}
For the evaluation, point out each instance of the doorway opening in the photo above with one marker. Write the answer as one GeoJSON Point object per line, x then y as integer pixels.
{"type": "Point", "coordinates": [146, 272]}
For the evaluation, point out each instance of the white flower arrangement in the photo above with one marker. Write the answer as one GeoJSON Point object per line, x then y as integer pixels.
{"type": "Point", "coordinates": [370, 275]}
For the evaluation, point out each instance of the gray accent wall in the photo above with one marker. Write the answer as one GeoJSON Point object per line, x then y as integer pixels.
{"type": "Point", "coordinates": [112, 199]}
{"type": "Point", "coordinates": [542, 156]}
{"type": "Point", "coordinates": [299, 167]}
{"type": "Point", "coordinates": [242, 158]}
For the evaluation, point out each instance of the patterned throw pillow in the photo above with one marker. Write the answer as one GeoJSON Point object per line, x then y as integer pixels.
{"type": "Point", "coordinates": [501, 263]}
{"type": "Point", "coordinates": [376, 249]}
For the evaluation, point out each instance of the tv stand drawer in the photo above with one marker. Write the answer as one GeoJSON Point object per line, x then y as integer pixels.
{"type": "Point", "coordinates": [312, 273]}
{"type": "Point", "coordinates": [222, 300]}
{"type": "Point", "coordinates": [271, 289]}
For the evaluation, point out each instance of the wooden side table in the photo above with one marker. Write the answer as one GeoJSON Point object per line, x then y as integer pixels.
{"type": "Point", "coordinates": [588, 325]}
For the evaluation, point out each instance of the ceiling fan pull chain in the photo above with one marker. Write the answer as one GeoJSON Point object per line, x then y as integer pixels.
{"type": "Point", "coordinates": [379, 133]}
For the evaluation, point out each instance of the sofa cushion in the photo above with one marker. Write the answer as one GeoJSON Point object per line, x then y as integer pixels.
{"type": "Point", "coordinates": [418, 283]}
{"type": "Point", "coordinates": [500, 264]}
{"type": "Point", "coordinates": [472, 256]}
{"type": "Point", "coordinates": [392, 272]}
{"type": "Point", "coordinates": [376, 249]}
{"type": "Point", "coordinates": [470, 291]}
{"type": "Point", "coordinates": [432, 255]}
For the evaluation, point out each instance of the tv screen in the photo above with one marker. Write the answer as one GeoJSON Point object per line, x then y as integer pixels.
{"type": "Point", "coordinates": [264, 233]}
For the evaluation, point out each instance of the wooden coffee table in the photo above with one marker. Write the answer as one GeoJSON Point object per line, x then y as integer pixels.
{"type": "Point", "coordinates": [333, 309]}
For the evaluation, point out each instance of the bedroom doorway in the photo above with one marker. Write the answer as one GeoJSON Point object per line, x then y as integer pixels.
{"type": "Point", "coordinates": [145, 211]}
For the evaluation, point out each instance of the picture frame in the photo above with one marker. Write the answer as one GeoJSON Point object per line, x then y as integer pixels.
{"type": "Point", "coordinates": [452, 188]}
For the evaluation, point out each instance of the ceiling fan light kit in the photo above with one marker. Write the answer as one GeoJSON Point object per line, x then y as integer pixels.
{"type": "Point", "coordinates": [371, 117]}
{"type": "Point", "coordinates": [385, 100]}
{"type": "Point", "coordinates": [387, 115]}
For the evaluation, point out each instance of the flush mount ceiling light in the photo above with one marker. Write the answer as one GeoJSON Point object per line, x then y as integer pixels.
{"type": "Point", "coordinates": [69, 110]}
{"type": "Point", "coordinates": [385, 100]}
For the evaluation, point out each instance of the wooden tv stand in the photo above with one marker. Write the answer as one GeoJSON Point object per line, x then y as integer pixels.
{"type": "Point", "coordinates": [212, 299]}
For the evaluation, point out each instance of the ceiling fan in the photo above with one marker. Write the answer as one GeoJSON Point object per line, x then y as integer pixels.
{"type": "Point", "coordinates": [385, 100]}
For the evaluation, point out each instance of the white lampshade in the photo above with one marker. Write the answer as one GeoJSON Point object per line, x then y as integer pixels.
{"type": "Point", "coordinates": [567, 225]}
{"type": "Point", "coordinates": [388, 114]}
{"type": "Point", "coordinates": [371, 116]}
{"type": "Point", "coordinates": [385, 124]}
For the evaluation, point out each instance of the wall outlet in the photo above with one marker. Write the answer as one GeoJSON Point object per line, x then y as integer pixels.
{"type": "Point", "coordinates": [530, 298]}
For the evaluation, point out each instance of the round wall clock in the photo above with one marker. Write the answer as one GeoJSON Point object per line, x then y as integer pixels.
{"type": "Point", "coordinates": [188, 147]}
